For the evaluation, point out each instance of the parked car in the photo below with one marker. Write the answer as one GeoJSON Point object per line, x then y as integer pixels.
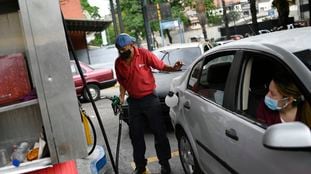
{"type": "Point", "coordinates": [264, 31]}
{"type": "Point", "coordinates": [187, 53]}
{"type": "Point", "coordinates": [236, 37]}
{"type": "Point", "coordinates": [103, 57]}
{"type": "Point", "coordinates": [96, 80]}
{"type": "Point", "coordinates": [214, 116]}
{"type": "Point", "coordinates": [223, 39]}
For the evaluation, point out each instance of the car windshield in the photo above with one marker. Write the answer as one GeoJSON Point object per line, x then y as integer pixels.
{"type": "Point", "coordinates": [186, 55]}
{"type": "Point", "coordinates": [305, 57]}
{"type": "Point", "coordinates": [103, 57]}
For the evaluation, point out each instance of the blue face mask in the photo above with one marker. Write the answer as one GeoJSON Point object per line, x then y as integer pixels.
{"type": "Point", "coordinates": [274, 104]}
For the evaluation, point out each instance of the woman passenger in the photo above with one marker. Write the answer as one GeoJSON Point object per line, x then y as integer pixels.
{"type": "Point", "coordinates": [283, 103]}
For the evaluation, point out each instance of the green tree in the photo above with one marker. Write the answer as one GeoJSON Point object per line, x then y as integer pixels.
{"type": "Point", "coordinates": [132, 18]}
{"type": "Point", "coordinates": [209, 5]}
{"type": "Point", "coordinates": [177, 10]}
{"type": "Point", "coordinates": [212, 19]}
{"type": "Point", "coordinates": [233, 16]}
{"type": "Point", "coordinates": [110, 34]}
{"type": "Point", "coordinates": [201, 8]}
{"type": "Point", "coordinates": [93, 12]}
{"type": "Point", "coordinates": [201, 13]}
{"type": "Point", "coordinates": [97, 41]}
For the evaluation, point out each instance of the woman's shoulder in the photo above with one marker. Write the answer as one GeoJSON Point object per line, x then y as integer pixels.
{"type": "Point", "coordinates": [266, 115]}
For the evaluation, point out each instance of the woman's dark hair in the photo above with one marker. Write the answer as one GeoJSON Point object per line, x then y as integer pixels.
{"type": "Point", "coordinates": [287, 88]}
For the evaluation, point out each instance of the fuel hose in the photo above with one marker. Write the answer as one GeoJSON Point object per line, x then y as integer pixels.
{"type": "Point", "coordinates": [71, 48]}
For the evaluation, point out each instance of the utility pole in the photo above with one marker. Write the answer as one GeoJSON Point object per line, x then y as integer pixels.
{"type": "Point", "coordinates": [113, 15]}
{"type": "Point", "coordinates": [201, 11]}
{"type": "Point", "coordinates": [146, 24]}
{"type": "Point", "coordinates": [120, 16]}
{"type": "Point", "coordinates": [254, 16]}
{"type": "Point", "coordinates": [225, 16]}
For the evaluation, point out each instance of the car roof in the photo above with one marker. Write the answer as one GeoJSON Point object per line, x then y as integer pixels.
{"type": "Point", "coordinates": [284, 43]}
{"type": "Point", "coordinates": [181, 45]}
{"type": "Point", "coordinates": [293, 40]}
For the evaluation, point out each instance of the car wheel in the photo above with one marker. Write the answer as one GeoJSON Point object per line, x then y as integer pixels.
{"type": "Point", "coordinates": [186, 155]}
{"type": "Point", "coordinates": [94, 90]}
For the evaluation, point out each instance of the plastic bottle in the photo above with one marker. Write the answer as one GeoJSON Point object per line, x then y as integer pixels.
{"type": "Point", "coordinates": [171, 99]}
{"type": "Point", "coordinates": [19, 154]}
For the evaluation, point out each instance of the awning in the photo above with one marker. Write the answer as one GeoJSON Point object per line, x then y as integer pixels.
{"type": "Point", "coordinates": [86, 25]}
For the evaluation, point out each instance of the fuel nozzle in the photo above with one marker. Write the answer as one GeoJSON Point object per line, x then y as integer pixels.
{"type": "Point", "coordinates": [115, 103]}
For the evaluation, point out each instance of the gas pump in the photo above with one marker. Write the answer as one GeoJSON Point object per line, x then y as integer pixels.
{"type": "Point", "coordinates": [116, 106]}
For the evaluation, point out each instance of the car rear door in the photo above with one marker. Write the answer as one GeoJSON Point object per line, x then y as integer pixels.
{"type": "Point", "coordinates": [203, 109]}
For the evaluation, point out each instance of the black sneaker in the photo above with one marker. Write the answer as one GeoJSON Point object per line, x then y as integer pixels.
{"type": "Point", "coordinates": [140, 170]}
{"type": "Point", "coordinates": [165, 168]}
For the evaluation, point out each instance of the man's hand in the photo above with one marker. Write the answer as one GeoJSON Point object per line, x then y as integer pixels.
{"type": "Point", "coordinates": [122, 94]}
{"type": "Point", "coordinates": [121, 99]}
{"type": "Point", "coordinates": [178, 65]}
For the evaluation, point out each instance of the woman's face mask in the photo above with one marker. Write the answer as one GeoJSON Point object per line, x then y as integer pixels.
{"type": "Point", "coordinates": [276, 104]}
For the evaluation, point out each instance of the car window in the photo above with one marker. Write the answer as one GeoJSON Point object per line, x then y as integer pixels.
{"type": "Point", "coordinates": [206, 48]}
{"type": "Point", "coordinates": [208, 79]}
{"type": "Point", "coordinates": [74, 69]}
{"type": "Point", "coordinates": [103, 55]}
{"type": "Point", "coordinates": [194, 76]}
{"type": "Point", "coordinates": [305, 57]}
{"type": "Point", "coordinates": [257, 74]}
{"type": "Point", "coordinates": [186, 55]}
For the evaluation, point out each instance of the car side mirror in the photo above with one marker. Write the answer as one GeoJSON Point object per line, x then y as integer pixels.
{"type": "Point", "coordinates": [288, 136]}
{"type": "Point", "coordinates": [171, 99]}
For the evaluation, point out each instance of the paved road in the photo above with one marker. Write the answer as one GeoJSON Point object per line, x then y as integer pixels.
{"type": "Point", "coordinates": [111, 125]}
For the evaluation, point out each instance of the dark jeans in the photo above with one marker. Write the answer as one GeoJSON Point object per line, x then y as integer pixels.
{"type": "Point", "coordinates": [147, 109]}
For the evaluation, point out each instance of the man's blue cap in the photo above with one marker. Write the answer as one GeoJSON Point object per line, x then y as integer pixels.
{"type": "Point", "coordinates": [124, 39]}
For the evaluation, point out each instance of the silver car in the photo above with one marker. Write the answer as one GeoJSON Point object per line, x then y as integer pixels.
{"type": "Point", "coordinates": [217, 97]}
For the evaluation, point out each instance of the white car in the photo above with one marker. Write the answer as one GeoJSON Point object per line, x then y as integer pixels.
{"type": "Point", "coordinates": [185, 52]}
{"type": "Point", "coordinates": [216, 101]}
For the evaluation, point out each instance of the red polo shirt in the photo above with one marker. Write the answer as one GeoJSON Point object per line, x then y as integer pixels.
{"type": "Point", "coordinates": [137, 78]}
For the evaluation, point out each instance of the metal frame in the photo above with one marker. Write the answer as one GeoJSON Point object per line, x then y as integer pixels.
{"type": "Point", "coordinates": [49, 61]}
{"type": "Point", "coordinates": [36, 29]}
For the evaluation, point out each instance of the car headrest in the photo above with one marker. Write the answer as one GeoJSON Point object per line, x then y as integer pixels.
{"type": "Point", "coordinates": [217, 73]}
{"type": "Point", "coordinates": [261, 77]}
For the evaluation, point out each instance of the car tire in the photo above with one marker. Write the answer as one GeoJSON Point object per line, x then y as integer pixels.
{"type": "Point", "coordinates": [95, 92]}
{"type": "Point", "coordinates": [186, 155]}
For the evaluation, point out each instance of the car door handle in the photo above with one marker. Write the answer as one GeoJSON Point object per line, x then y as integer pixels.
{"type": "Point", "coordinates": [231, 133]}
{"type": "Point", "coordinates": [187, 105]}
